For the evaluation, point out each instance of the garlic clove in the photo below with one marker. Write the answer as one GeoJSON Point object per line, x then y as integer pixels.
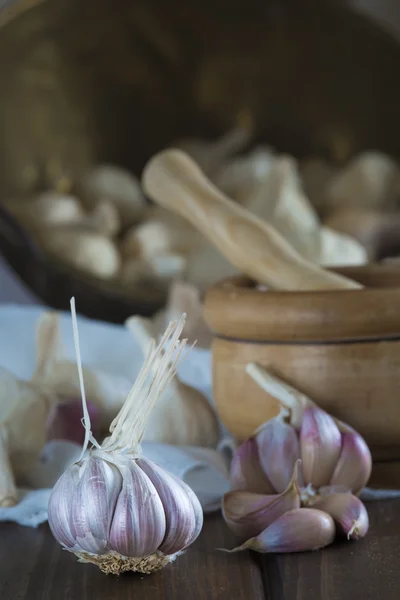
{"type": "Point", "coordinates": [93, 504]}
{"type": "Point", "coordinates": [353, 468]}
{"type": "Point", "coordinates": [279, 449]}
{"type": "Point", "coordinates": [297, 530]}
{"type": "Point", "coordinates": [348, 512]}
{"type": "Point", "coordinates": [247, 514]}
{"type": "Point", "coordinates": [320, 443]}
{"type": "Point", "coordinates": [246, 471]}
{"type": "Point", "coordinates": [59, 507]}
{"type": "Point", "coordinates": [183, 514]}
{"type": "Point", "coordinates": [138, 525]}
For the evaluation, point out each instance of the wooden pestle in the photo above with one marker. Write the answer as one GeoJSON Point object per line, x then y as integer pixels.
{"type": "Point", "coordinates": [174, 181]}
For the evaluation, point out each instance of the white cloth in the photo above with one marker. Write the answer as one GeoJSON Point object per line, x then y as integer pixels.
{"type": "Point", "coordinates": [113, 349]}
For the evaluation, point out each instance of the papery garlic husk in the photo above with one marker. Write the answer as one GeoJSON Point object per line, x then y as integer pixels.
{"type": "Point", "coordinates": [246, 471]}
{"type": "Point", "coordinates": [353, 468]}
{"type": "Point", "coordinates": [183, 416]}
{"type": "Point", "coordinates": [320, 443]}
{"type": "Point", "coordinates": [348, 512]}
{"type": "Point", "coordinates": [279, 450]}
{"type": "Point", "coordinates": [297, 530]}
{"type": "Point", "coordinates": [117, 509]}
{"type": "Point", "coordinates": [247, 514]}
{"type": "Point", "coordinates": [24, 410]}
{"type": "Point", "coordinates": [59, 376]}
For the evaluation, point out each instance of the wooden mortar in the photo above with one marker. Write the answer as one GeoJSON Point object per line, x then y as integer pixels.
{"type": "Point", "coordinates": [340, 347]}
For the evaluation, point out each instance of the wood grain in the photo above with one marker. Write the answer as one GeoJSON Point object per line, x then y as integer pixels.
{"type": "Point", "coordinates": [34, 567]}
{"type": "Point", "coordinates": [366, 569]}
{"type": "Point", "coordinates": [174, 181]}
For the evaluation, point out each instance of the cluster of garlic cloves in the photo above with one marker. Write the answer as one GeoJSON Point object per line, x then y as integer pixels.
{"type": "Point", "coordinates": [116, 509]}
{"type": "Point", "coordinates": [331, 463]}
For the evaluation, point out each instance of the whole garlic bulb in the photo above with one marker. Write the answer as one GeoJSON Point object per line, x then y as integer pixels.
{"type": "Point", "coordinates": [83, 249]}
{"type": "Point", "coordinates": [115, 508]}
{"type": "Point", "coordinates": [183, 416]}
{"type": "Point", "coordinates": [116, 185]}
{"type": "Point", "coordinates": [335, 464]}
{"type": "Point", "coordinates": [48, 208]}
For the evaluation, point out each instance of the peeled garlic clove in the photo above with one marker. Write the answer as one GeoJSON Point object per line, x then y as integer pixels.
{"type": "Point", "coordinates": [247, 514]}
{"type": "Point", "coordinates": [353, 468]}
{"type": "Point", "coordinates": [247, 472]}
{"type": "Point", "coordinates": [183, 513]}
{"type": "Point", "coordinates": [348, 512]}
{"type": "Point", "coordinates": [279, 449]}
{"type": "Point", "coordinates": [93, 504]}
{"type": "Point", "coordinates": [138, 525]}
{"type": "Point", "coordinates": [320, 444]}
{"type": "Point", "coordinates": [297, 530]}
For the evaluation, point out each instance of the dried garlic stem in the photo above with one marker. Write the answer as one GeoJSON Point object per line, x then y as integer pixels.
{"type": "Point", "coordinates": [287, 395]}
{"type": "Point", "coordinates": [145, 394]}
{"type": "Point", "coordinates": [48, 342]}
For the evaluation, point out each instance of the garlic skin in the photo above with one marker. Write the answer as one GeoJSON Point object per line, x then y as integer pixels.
{"type": "Point", "coordinates": [354, 466]}
{"type": "Point", "coordinates": [247, 514]}
{"type": "Point", "coordinates": [64, 421]}
{"type": "Point", "coordinates": [279, 450]}
{"type": "Point", "coordinates": [59, 376]}
{"type": "Point", "coordinates": [115, 508]}
{"type": "Point", "coordinates": [348, 512]}
{"type": "Point", "coordinates": [297, 530]}
{"type": "Point", "coordinates": [183, 416]}
{"type": "Point", "coordinates": [320, 443]}
{"type": "Point", "coordinates": [21, 403]}
{"type": "Point", "coordinates": [246, 470]}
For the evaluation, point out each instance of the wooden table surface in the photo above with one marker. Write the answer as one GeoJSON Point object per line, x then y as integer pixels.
{"type": "Point", "coordinates": [33, 567]}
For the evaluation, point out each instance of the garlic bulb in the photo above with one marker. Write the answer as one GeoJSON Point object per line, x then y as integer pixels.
{"type": "Point", "coordinates": [83, 249]}
{"type": "Point", "coordinates": [116, 185]}
{"type": "Point", "coordinates": [115, 508]}
{"type": "Point", "coordinates": [211, 155]}
{"type": "Point", "coordinates": [335, 461]}
{"type": "Point", "coordinates": [22, 403]}
{"type": "Point", "coordinates": [332, 453]}
{"type": "Point", "coordinates": [367, 181]}
{"type": "Point", "coordinates": [48, 208]}
{"type": "Point", "coordinates": [59, 376]}
{"type": "Point", "coordinates": [183, 416]}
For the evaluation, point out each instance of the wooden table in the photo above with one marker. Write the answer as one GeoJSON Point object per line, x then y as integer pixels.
{"type": "Point", "coordinates": [33, 567]}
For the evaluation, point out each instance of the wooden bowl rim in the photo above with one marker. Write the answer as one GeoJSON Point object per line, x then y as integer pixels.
{"type": "Point", "coordinates": [236, 310]}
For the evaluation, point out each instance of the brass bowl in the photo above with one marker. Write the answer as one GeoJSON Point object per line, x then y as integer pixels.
{"type": "Point", "coordinates": [100, 81]}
